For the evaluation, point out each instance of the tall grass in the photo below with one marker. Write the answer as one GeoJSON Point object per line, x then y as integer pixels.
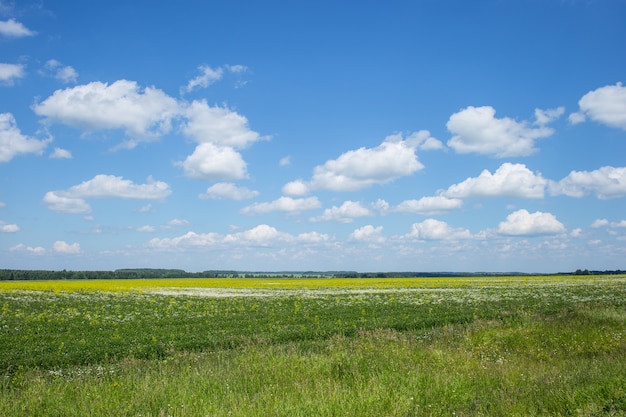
{"type": "Point", "coordinates": [544, 348]}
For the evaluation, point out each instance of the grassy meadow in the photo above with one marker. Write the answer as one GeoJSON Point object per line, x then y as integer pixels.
{"type": "Point", "coordinates": [480, 346]}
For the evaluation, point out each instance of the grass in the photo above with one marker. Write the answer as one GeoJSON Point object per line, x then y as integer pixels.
{"type": "Point", "coordinates": [492, 347]}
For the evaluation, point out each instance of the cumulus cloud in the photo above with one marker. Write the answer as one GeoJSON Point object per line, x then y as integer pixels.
{"type": "Point", "coordinates": [477, 130]}
{"type": "Point", "coordinates": [8, 227]}
{"type": "Point", "coordinates": [37, 250]}
{"type": "Point", "coordinates": [606, 105]}
{"type": "Point", "coordinates": [509, 180]}
{"type": "Point", "coordinates": [218, 132]}
{"type": "Point", "coordinates": [432, 229]}
{"type": "Point", "coordinates": [72, 200]}
{"type": "Point", "coordinates": [14, 29]}
{"type": "Point", "coordinates": [346, 213]}
{"type": "Point", "coordinates": [217, 125]}
{"type": "Point", "coordinates": [368, 233]}
{"type": "Point", "coordinates": [523, 223]}
{"type": "Point", "coordinates": [296, 188]}
{"type": "Point", "coordinates": [63, 247]}
{"type": "Point", "coordinates": [364, 167]}
{"type": "Point", "coordinates": [13, 143]}
{"type": "Point", "coordinates": [606, 183]}
{"type": "Point", "coordinates": [284, 204]}
{"type": "Point", "coordinates": [211, 162]}
{"type": "Point", "coordinates": [144, 114]}
{"type": "Point", "coordinates": [228, 191]}
{"type": "Point", "coordinates": [262, 235]}
{"type": "Point", "coordinates": [63, 73]}
{"type": "Point", "coordinates": [60, 153]}
{"type": "Point", "coordinates": [599, 223]}
{"type": "Point", "coordinates": [428, 205]}
{"type": "Point", "coordinates": [10, 72]}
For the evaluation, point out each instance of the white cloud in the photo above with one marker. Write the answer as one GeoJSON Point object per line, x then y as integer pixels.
{"type": "Point", "coordinates": [103, 186]}
{"type": "Point", "coordinates": [60, 153]}
{"type": "Point", "coordinates": [65, 74]}
{"type": "Point", "coordinates": [346, 213]}
{"type": "Point", "coordinates": [284, 204]}
{"type": "Point", "coordinates": [606, 183]}
{"type": "Point", "coordinates": [63, 247]}
{"type": "Point", "coordinates": [509, 180]}
{"type": "Point", "coordinates": [285, 161]}
{"type": "Point", "coordinates": [10, 72]}
{"type": "Point", "coordinates": [12, 142]}
{"type": "Point", "coordinates": [543, 117]}
{"type": "Point", "coordinates": [217, 125]}
{"type": "Point", "coordinates": [212, 162]}
{"type": "Point", "coordinates": [429, 205]}
{"type": "Point", "coordinates": [364, 167]}
{"type": "Point", "coordinates": [606, 105]}
{"type": "Point", "coordinates": [599, 223]}
{"type": "Point", "coordinates": [521, 222]}
{"type": "Point", "coordinates": [144, 114]}
{"type": "Point", "coordinates": [368, 233]}
{"type": "Point", "coordinates": [146, 229]}
{"type": "Point", "coordinates": [174, 223]}
{"type": "Point", "coordinates": [262, 235]}
{"type": "Point", "coordinates": [296, 188]}
{"type": "Point", "coordinates": [207, 77]}
{"type": "Point", "coordinates": [210, 75]}
{"type": "Point", "coordinates": [8, 227]}
{"type": "Point", "coordinates": [228, 191]}
{"type": "Point", "coordinates": [476, 129]}
{"type": "Point", "coordinates": [620, 224]}
{"type": "Point", "coordinates": [432, 229]}
{"type": "Point", "coordinates": [38, 250]}
{"type": "Point", "coordinates": [14, 29]}
{"type": "Point", "coordinates": [64, 204]}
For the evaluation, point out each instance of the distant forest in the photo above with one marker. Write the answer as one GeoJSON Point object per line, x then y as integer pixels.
{"type": "Point", "coordinates": [145, 273]}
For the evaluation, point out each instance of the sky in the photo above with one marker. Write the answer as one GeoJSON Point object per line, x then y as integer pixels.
{"type": "Point", "coordinates": [407, 135]}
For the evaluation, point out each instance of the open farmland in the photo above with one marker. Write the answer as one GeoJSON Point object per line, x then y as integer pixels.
{"type": "Point", "coordinates": [314, 347]}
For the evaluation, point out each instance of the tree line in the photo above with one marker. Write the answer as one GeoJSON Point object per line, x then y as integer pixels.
{"type": "Point", "coordinates": [145, 273]}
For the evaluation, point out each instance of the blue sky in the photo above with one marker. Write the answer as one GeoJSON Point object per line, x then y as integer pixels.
{"type": "Point", "coordinates": [371, 136]}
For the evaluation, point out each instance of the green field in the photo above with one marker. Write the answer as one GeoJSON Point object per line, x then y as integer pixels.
{"type": "Point", "coordinates": [491, 346]}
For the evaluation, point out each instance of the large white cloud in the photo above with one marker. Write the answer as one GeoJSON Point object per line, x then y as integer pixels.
{"type": "Point", "coordinates": [284, 204]}
{"type": "Point", "coordinates": [432, 229]}
{"type": "Point", "coordinates": [14, 29]}
{"type": "Point", "coordinates": [521, 222]}
{"type": "Point", "coordinates": [217, 125]}
{"type": "Point", "coordinates": [364, 167]}
{"type": "Point", "coordinates": [10, 72]}
{"type": "Point", "coordinates": [346, 213]}
{"type": "Point", "coordinates": [606, 182]}
{"type": "Point", "coordinates": [509, 180]}
{"type": "Point", "coordinates": [212, 162]}
{"type": "Point", "coordinates": [147, 113]}
{"type": "Point", "coordinates": [228, 191]}
{"type": "Point", "coordinates": [428, 205]}
{"type": "Point", "coordinates": [72, 200]}
{"type": "Point", "coordinates": [143, 113]}
{"type": "Point", "coordinates": [13, 143]}
{"type": "Point", "coordinates": [606, 105]}
{"type": "Point", "coordinates": [477, 130]}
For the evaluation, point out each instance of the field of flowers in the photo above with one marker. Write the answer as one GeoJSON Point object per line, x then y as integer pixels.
{"type": "Point", "coordinates": [423, 346]}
